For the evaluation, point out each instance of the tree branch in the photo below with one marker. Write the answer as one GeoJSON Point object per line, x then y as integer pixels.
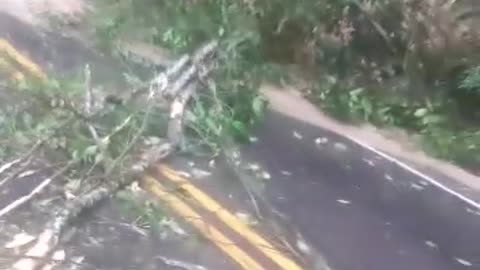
{"type": "Point", "coordinates": [180, 81]}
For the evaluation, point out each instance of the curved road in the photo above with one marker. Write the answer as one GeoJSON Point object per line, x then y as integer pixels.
{"type": "Point", "coordinates": [358, 209]}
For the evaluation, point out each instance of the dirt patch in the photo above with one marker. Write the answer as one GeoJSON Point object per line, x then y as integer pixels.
{"type": "Point", "coordinates": [290, 102]}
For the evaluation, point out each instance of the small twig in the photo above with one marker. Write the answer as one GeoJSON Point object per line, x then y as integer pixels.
{"type": "Point", "coordinates": [175, 125]}
{"type": "Point", "coordinates": [280, 25]}
{"type": "Point", "coordinates": [135, 139]}
{"type": "Point", "coordinates": [10, 164]}
{"type": "Point", "coordinates": [117, 129]}
{"type": "Point", "coordinates": [88, 90]}
{"type": "Point", "coordinates": [34, 192]}
{"type": "Point", "coordinates": [137, 135]}
{"type": "Point", "coordinates": [180, 264]}
{"type": "Point", "coordinates": [123, 224]}
{"type": "Point", "coordinates": [290, 248]}
{"type": "Point", "coordinates": [95, 136]}
{"type": "Point", "coordinates": [103, 144]}
{"type": "Point", "coordinates": [16, 173]}
{"type": "Point", "coordinates": [89, 104]}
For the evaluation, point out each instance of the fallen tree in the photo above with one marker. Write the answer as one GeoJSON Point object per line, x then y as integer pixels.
{"type": "Point", "coordinates": [176, 85]}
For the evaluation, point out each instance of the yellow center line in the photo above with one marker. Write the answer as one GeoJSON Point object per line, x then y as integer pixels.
{"type": "Point", "coordinates": [230, 220]}
{"type": "Point", "coordinates": [209, 231]}
{"type": "Point", "coordinates": [8, 68]}
{"type": "Point", "coordinates": [21, 60]}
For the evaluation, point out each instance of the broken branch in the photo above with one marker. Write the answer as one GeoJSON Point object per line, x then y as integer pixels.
{"type": "Point", "coordinates": [179, 80]}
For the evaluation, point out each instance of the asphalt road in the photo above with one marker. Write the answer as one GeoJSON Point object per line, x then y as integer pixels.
{"type": "Point", "coordinates": [356, 208]}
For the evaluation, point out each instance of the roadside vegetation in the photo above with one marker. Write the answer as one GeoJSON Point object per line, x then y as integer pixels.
{"type": "Point", "coordinates": [408, 64]}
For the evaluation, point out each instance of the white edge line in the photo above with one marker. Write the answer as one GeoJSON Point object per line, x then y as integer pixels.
{"type": "Point", "coordinates": [403, 165]}
{"type": "Point", "coordinates": [416, 172]}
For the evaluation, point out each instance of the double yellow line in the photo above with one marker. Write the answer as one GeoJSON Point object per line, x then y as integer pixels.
{"type": "Point", "coordinates": [179, 206]}
{"type": "Point", "coordinates": [11, 54]}
{"type": "Point", "coordinates": [224, 215]}
{"type": "Point", "coordinates": [210, 232]}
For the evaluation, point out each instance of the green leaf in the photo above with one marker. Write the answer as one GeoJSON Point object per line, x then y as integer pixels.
{"type": "Point", "coordinates": [211, 125]}
{"type": "Point", "coordinates": [240, 128]}
{"type": "Point", "coordinates": [432, 119]}
{"type": "Point", "coordinates": [200, 110]}
{"type": "Point", "coordinates": [332, 80]}
{"type": "Point", "coordinates": [99, 158]}
{"type": "Point", "coordinates": [75, 155]}
{"type": "Point", "coordinates": [420, 112]}
{"type": "Point", "coordinates": [91, 150]}
{"type": "Point", "coordinates": [258, 106]}
{"type": "Point", "coordinates": [356, 92]}
{"type": "Point", "coordinates": [367, 107]}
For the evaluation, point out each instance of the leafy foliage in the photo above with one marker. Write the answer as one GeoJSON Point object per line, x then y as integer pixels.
{"type": "Point", "coordinates": [442, 136]}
